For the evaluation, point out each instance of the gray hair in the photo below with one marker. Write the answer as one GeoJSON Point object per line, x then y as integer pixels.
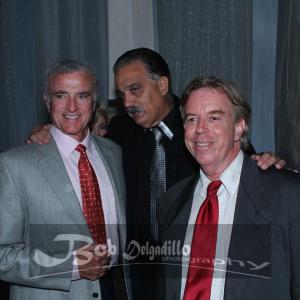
{"type": "Point", "coordinates": [241, 107]}
{"type": "Point", "coordinates": [68, 66]}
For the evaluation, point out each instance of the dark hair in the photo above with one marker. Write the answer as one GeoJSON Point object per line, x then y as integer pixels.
{"type": "Point", "coordinates": [241, 107]}
{"type": "Point", "coordinates": [67, 66]}
{"type": "Point", "coordinates": [153, 62]}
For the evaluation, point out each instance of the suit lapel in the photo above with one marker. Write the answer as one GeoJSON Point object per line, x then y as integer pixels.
{"type": "Point", "coordinates": [174, 228]}
{"type": "Point", "coordinates": [107, 159]}
{"type": "Point", "coordinates": [182, 206]}
{"type": "Point", "coordinates": [250, 238]}
{"type": "Point", "coordinates": [53, 169]}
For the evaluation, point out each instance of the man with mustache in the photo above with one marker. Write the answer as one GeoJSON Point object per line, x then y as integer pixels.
{"type": "Point", "coordinates": [143, 83]}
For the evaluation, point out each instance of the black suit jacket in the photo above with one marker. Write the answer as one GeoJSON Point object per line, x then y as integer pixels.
{"type": "Point", "coordinates": [266, 233]}
{"type": "Point", "coordinates": [137, 148]}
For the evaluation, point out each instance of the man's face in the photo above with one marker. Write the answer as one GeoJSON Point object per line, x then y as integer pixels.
{"type": "Point", "coordinates": [211, 133]}
{"type": "Point", "coordinates": [143, 98]}
{"type": "Point", "coordinates": [72, 102]}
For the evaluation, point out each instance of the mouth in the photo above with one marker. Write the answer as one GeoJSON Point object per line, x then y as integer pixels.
{"type": "Point", "coordinates": [202, 146]}
{"type": "Point", "coordinates": [198, 144]}
{"type": "Point", "coordinates": [136, 114]}
{"type": "Point", "coordinates": [71, 117]}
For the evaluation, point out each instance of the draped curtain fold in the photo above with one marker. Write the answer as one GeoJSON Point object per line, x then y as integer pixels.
{"type": "Point", "coordinates": [8, 130]}
{"type": "Point", "coordinates": [206, 38]}
{"type": "Point", "coordinates": [34, 34]}
{"type": "Point", "coordinates": [287, 107]}
{"type": "Point", "coordinates": [200, 37]}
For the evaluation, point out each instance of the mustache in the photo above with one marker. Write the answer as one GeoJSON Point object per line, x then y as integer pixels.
{"type": "Point", "coordinates": [133, 109]}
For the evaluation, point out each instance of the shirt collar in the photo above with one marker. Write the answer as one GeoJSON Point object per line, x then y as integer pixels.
{"type": "Point", "coordinates": [230, 177]}
{"type": "Point", "coordinates": [66, 144]}
{"type": "Point", "coordinates": [166, 130]}
{"type": "Point", "coordinates": [169, 124]}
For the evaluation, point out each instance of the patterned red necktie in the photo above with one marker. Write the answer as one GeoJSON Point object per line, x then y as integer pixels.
{"type": "Point", "coordinates": [91, 198]}
{"type": "Point", "coordinates": [201, 267]}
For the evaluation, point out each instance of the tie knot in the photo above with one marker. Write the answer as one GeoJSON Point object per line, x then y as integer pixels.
{"type": "Point", "coordinates": [213, 187]}
{"type": "Point", "coordinates": [157, 134]}
{"type": "Point", "coordinates": [81, 149]}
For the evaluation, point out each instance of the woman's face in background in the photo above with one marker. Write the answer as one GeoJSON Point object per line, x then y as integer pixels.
{"type": "Point", "coordinates": [100, 127]}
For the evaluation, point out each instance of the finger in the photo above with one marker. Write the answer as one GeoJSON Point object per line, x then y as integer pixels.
{"type": "Point", "coordinates": [43, 136]}
{"type": "Point", "coordinates": [35, 139]}
{"type": "Point", "coordinates": [46, 131]}
{"type": "Point", "coordinates": [280, 164]}
{"type": "Point", "coordinates": [40, 134]}
{"type": "Point", "coordinates": [255, 156]}
{"type": "Point", "coordinates": [266, 160]}
{"type": "Point", "coordinates": [265, 157]}
{"type": "Point", "coordinates": [93, 272]}
{"type": "Point", "coordinates": [101, 250]}
{"type": "Point", "coordinates": [103, 262]}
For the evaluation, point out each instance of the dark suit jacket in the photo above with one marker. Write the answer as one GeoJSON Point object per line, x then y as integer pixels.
{"type": "Point", "coordinates": [137, 154]}
{"type": "Point", "coordinates": [266, 230]}
{"type": "Point", "coordinates": [137, 150]}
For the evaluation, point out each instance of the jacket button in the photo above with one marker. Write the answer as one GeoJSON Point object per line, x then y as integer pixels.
{"type": "Point", "coordinates": [95, 295]}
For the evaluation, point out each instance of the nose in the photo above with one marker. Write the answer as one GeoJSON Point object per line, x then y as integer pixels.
{"type": "Point", "coordinates": [72, 104]}
{"type": "Point", "coordinates": [128, 100]}
{"type": "Point", "coordinates": [201, 126]}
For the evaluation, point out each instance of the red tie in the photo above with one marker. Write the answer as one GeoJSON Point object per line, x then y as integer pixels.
{"type": "Point", "coordinates": [201, 267]}
{"type": "Point", "coordinates": [91, 198]}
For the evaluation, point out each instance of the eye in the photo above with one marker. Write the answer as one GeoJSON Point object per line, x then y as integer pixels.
{"type": "Point", "coordinates": [60, 96]}
{"type": "Point", "coordinates": [191, 119]}
{"type": "Point", "coordinates": [135, 89]}
{"type": "Point", "coordinates": [214, 118]}
{"type": "Point", "coordinates": [102, 126]}
{"type": "Point", "coordinates": [84, 96]}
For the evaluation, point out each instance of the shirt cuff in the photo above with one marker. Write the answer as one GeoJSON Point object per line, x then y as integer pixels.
{"type": "Point", "coordinates": [75, 271]}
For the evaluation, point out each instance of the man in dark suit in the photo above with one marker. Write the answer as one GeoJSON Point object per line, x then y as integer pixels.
{"type": "Point", "coordinates": [237, 226]}
{"type": "Point", "coordinates": [143, 83]}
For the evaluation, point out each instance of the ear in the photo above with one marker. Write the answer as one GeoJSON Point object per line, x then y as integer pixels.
{"type": "Point", "coordinates": [163, 85]}
{"type": "Point", "coordinates": [47, 101]}
{"type": "Point", "coordinates": [239, 128]}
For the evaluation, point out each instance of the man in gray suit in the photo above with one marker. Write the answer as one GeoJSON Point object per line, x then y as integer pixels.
{"type": "Point", "coordinates": [49, 248]}
{"type": "Point", "coordinates": [237, 226]}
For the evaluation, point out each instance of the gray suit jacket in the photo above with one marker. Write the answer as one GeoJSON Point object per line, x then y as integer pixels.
{"type": "Point", "coordinates": [263, 259]}
{"type": "Point", "coordinates": [35, 189]}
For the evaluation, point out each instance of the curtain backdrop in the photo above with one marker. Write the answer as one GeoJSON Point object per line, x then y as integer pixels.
{"type": "Point", "coordinates": [201, 37]}
{"type": "Point", "coordinates": [8, 129]}
{"type": "Point", "coordinates": [288, 83]}
{"type": "Point", "coordinates": [34, 34]}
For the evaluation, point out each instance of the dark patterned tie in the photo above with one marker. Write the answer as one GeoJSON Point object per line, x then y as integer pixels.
{"type": "Point", "coordinates": [91, 198]}
{"type": "Point", "coordinates": [158, 179]}
{"type": "Point", "coordinates": [201, 267]}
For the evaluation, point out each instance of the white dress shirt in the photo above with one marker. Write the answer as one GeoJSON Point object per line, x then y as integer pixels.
{"type": "Point", "coordinates": [227, 195]}
{"type": "Point", "coordinates": [66, 146]}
